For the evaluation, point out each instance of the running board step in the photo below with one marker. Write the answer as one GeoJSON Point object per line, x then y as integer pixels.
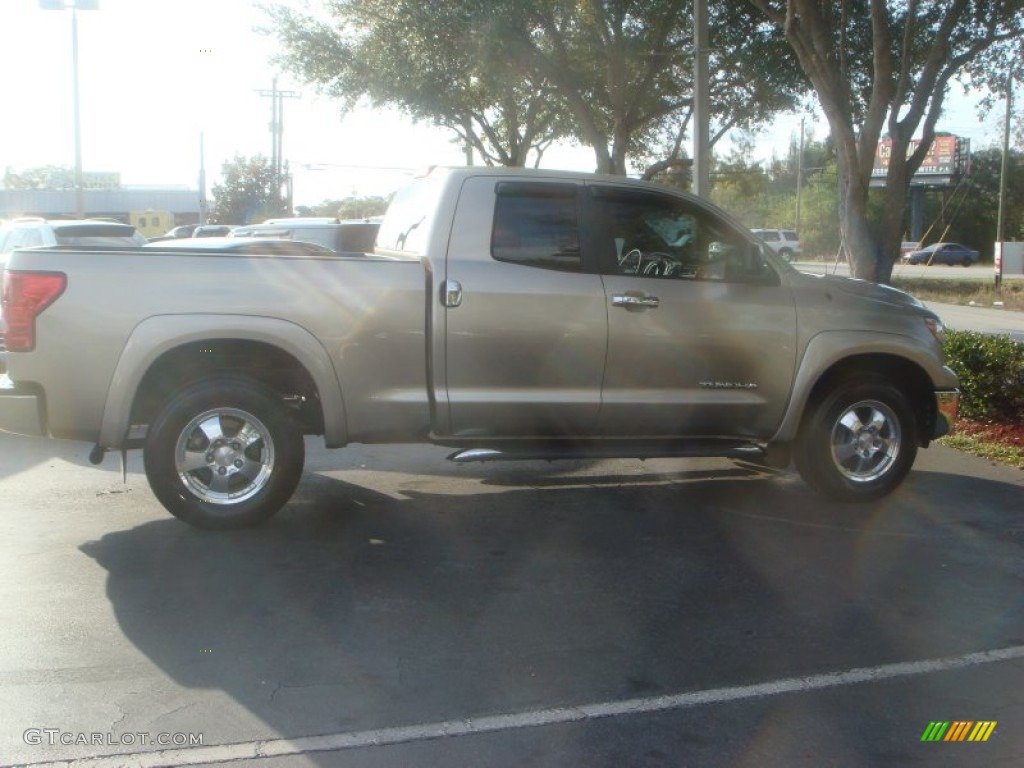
{"type": "Point", "coordinates": [611, 449]}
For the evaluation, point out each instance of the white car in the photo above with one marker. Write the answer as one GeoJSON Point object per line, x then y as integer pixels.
{"type": "Point", "coordinates": [783, 242]}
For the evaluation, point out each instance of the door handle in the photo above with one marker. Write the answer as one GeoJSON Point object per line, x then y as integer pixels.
{"type": "Point", "coordinates": [451, 293]}
{"type": "Point", "coordinates": [628, 300]}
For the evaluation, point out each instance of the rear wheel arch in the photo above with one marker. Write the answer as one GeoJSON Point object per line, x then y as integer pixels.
{"type": "Point", "coordinates": [164, 353]}
{"type": "Point", "coordinates": [259, 362]}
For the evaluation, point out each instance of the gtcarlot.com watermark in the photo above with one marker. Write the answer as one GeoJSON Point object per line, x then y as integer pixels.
{"type": "Point", "coordinates": [52, 737]}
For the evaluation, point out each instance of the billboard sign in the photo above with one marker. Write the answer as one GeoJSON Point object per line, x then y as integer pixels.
{"type": "Point", "coordinates": [945, 160]}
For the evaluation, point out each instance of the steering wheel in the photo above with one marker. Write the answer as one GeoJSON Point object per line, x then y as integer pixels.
{"type": "Point", "coordinates": [659, 264]}
{"type": "Point", "coordinates": [630, 261]}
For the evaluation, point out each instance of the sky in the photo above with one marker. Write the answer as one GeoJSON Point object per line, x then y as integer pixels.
{"type": "Point", "coordinates": [155, 74]}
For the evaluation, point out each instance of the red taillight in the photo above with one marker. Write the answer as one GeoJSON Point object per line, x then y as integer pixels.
{"type": "Point", "coordinates": [25, 295]}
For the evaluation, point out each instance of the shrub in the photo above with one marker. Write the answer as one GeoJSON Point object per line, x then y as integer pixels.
{"type": "Point", "coordinates": [991, 371]}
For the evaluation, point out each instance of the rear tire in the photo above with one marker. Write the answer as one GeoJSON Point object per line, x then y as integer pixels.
{"type": "Point", "coordinates": [224, 453]}
{"type": "Point", "coordinates": [859, 442]}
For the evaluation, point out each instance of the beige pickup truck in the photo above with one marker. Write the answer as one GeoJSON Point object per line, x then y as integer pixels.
{"type": "Point", "coordinates": [506, 313]}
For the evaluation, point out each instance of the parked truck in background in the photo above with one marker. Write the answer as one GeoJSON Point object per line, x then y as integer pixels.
{"type": "Point", "coordinates": [506, 313]}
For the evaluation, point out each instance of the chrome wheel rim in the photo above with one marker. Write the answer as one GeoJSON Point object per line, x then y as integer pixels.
{"type": "Point", "coordinates": [224, 456]}
{"type": "Point", "coordinates": [866, 441]}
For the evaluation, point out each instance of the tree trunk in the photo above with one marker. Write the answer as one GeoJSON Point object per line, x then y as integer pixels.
{"type": "Point", "coordinates": [891, 234]}
{"type": "Point", "coordinates": [860, 242]}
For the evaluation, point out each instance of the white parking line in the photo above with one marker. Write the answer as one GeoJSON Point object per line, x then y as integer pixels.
{"type": "Point", "coordinates": [476, 725]}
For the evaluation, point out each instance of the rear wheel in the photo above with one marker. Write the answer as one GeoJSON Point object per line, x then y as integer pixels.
{"type": "Point", "coordinates": [859, 442]}
{"type": "Point", "coordinates": [224, 453]}
{"type": "Point", "coordinates": [786, 253]}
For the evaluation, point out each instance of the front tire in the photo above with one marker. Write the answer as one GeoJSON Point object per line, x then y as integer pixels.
{"type": "Point", "coordinates": [859, 442]}
{"type": "Point", "coordinates": [224, 453]}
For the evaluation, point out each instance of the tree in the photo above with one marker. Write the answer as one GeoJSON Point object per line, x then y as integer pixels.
{"type": "Point", "coordinates": [884, 67]}
{"type": "Point", "coordinates": [349, 208]}
{"type": "Point", "coordinates": [511, 76]}
{"type": "Point", "coordinates": [624, 69]}
{"type": "Point", "coordinates": [43, 177]}
{"type": "Point", "coordinates": [362, 207]}
{"type": "Point", "coordinates": [248, 193]}
{"type": "Point", "coordinates": [433, 61]}
{"type": "Point", "coordinates": [767, 199]}
{"type": "Point", "coordinates": [743, 190]}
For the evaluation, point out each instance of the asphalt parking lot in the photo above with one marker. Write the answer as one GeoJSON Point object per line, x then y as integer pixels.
{"type": "Point", "coordinates": [402, 610]}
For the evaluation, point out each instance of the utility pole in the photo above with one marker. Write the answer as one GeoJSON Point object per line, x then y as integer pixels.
{"type": "Point", "coordinates": [277, 98]}
{"type": "Point", "coordinates": [1000, 218]}
{"type": "Point", "coordinates": [799, 175]}
{"type": "Point", "coordinates": [75, 6]}
{"type": "Point", "coordinates": [203, 206]}
{"type": "Point", "coordinates": [701, 101]}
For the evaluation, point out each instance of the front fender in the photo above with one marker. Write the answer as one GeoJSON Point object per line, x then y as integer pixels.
{"type": "Point", "coordinates": [157, 335]}
{"type": "Point", "coordinates": [830, 348]}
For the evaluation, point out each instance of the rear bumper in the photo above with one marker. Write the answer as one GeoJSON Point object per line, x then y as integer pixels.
{"type": "Point", "coordinates": [947, 403]}
{"type": "Point", "coordinates": [20, 409]}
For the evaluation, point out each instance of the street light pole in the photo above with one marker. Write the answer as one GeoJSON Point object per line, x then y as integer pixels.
{"type": "Point", "coordinates": [701, 102]}
{"type": "Point", "coordinates": [799, 175]}
{"type": "Point", "coordinates": [79, 193]}
{"type": "Point", "coordinates": [1002, 179]}
{"type": "Point", "coordinates": [75, 6]}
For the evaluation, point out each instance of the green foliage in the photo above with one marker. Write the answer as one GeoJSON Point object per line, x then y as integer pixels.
{"type": "Point", "coordinates": [819, 213]}
{"type": "Point", "coordinates": [248, 194]}
{"type": "Point", "coordinates": [510, 76]}
{"type": "Point", "coordinates": [349, 208]}
{"type": "Point", "coordinates": [744, 191]}
{"type": "Point", "coordinates": [991, 371]}
{"type": "Point", "coordinates": [436, 62]}
{"type": "Point", "coordinates": [762, 198]}
{"type": "Point", "coordinates": [43, 177]}
{"type": "Point", "coordinates": [362, 207]}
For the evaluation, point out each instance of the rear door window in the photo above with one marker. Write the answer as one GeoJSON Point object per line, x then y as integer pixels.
{"type": "Point", "coordinates": [537, 225]}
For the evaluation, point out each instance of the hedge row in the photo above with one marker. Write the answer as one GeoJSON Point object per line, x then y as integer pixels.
{"type": "Point", "coordinates": [991, 371]}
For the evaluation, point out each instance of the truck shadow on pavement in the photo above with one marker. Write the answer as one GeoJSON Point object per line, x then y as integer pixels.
{"type": "Point", "coordinates": [355, 609]}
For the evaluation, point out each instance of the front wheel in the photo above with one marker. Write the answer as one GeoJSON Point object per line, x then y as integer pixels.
{"type": "Point", "coordinates": [859, 442]}
{"type": "Point", "coordinates": [224, 453]}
